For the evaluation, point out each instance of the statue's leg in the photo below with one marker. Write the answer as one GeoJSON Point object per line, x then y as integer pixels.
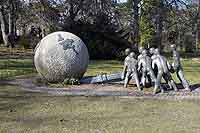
{"type": "Point", "coordinates": [167, 81]}
{"type": "Point", "coordinates": [152, 76]}
{"type": "Point", "coordinates": [126, 81]}
{"type": "Point", "coordinates": [143, 80]}
{"type": "Point", "coordinates": [158, 82]}
{"type": "Point", "coordinates": [137, 81]}
{"type": "Point", "coordinates": [155, 71]}
{"type": "Point", "coordinates": [173, 84]}
{"type": "Point", "coordinates": [182, 79]}
{"type": "Point", "coordinates": [140, 77]}
{"type": "Point", "coordinates": [148, 79]}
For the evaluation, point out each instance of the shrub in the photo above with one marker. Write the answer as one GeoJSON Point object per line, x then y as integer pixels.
{"type": "Point", "coordinates": [71, 81]}
{"type": "Point", "coordinates": [24, 42]}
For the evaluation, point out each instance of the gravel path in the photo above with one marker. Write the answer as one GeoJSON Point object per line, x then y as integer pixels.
{"type": "Point", "coordinates": [103, 90]}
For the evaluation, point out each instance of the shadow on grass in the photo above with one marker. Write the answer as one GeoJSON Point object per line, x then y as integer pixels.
{"type": "Point", "coordinates": [194, 87]}
{"type": "Point", "coordinates": [11, 97]}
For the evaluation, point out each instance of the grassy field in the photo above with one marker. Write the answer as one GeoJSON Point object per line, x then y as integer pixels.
{"type": "Point", "coordinates": [10, 68]}
{"type": "Point", "coordinates": [22, 111]}
{"type": "Point", "coordinates": [32, 112]}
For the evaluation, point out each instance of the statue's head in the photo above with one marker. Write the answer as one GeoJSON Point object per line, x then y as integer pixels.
{"type": "Point", "coordinates": [132, 55]}
{"type": "Point", "coordinates": [172, 47]}
{"type": "Point", "coordinates": [144, 52]}
{"type": "Point", "coordinates": [151, 50]}
{"type": "Point", "coordinates": [127, 51]}
{"type": "Point", "coordinates": [140, 49]}
{"type": "Point", "coordinates": [157, 51]}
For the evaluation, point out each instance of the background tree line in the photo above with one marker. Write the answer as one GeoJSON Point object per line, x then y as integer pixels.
{"type": "Point", "coordinates": [106, 26]}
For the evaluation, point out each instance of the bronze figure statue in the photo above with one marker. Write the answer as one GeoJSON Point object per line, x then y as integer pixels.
{"type": "Point", "coordinates": [144, 65]}
{"type": "Point", "coordinates": [163, 71]}
{"type": "Point", "coordinates": [177, 67]}
{"type": "Point", "coordinates": [130, 70]}
{"type": "Point", "coordinates": [152, 67]}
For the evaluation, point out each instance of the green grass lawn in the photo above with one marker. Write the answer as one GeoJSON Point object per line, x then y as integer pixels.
{"type": "Point", "coordinates": [14, 67]}
{"type": "Point", "coordinates": [10, 68]}
{"type": "Point", "coordinates": [32, 112]}
{"type": "Point", "coordinates": [22, 111]}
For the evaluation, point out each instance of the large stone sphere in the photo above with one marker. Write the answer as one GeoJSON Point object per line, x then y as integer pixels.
{"type": "Point", "coordinates": [61, 55]}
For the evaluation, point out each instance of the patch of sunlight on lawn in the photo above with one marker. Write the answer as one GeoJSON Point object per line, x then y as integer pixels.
{"type": "Point", "coordinates": [14, 67]}
{"type": "Point", "coordinates": [110, 66]}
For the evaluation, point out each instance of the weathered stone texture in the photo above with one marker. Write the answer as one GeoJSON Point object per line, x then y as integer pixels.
{"type": "Point", "coordinates": [61, 55]}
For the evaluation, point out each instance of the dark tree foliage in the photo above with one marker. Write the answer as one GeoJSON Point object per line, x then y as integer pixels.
{"type": "Point", "coordinates": [106, 26]}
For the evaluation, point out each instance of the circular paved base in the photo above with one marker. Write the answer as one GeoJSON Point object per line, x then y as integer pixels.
{"type": "Point", "coordinates": [104, 90]}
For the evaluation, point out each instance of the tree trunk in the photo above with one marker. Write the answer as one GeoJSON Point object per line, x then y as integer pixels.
{"type": "Point", "coordinates": [191, 47]}
{"type": "Point", "coordinates": [11, 19]}
{"type": "Point", "coordinates": [136, 35]}
{"type": "Point", "coordinates": [11, 34]}
{"type": "Point", "coordinates": [197, 35]}
{"type": "Point", "coordinates": [3, 27]}
{"type": "Point", "coordinates": [198, 28]}
{"type": "Point", "coordinates": [159, 28]}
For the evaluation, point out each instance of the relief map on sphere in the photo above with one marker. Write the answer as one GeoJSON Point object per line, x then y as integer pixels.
{"type": "Point", "coordinates": [66, 43]}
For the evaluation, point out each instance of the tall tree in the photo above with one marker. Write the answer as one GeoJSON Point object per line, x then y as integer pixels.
{"type": "Point", "coordinates": [159, 24]}
{"type": "Point", "coordinates": [148, 22]}
{"type": "Point", "coordinates": [135, 21]}
{"type": "Point", "coordinates": [8, 16]}
{"type": "Point", "coordinates": [4, 29]}
{"type": "Point", "coordinates": [197, 42]}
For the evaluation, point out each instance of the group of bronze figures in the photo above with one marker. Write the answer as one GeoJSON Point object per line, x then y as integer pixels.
{"type": "Point", "coordinates": [150, 67]}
